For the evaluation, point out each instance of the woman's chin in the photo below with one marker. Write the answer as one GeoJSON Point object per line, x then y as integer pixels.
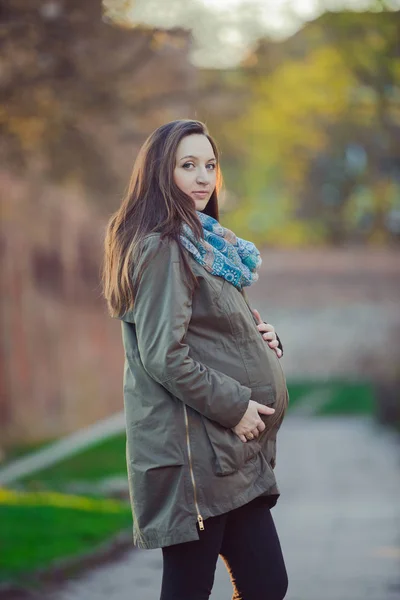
{"type": "Point", "coordinates": [201, 204]}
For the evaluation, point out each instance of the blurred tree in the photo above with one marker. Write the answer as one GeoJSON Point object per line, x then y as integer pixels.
{"type": "Point", "coordinates": [370, 131]}
{"type": "Point", "coordinates": [78, 94]}
{"type": "Point", "coordinates": [313, 122]}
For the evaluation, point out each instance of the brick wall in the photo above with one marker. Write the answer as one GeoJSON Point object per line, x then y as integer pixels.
{"type": "Point", "coordinates": [61, 354]}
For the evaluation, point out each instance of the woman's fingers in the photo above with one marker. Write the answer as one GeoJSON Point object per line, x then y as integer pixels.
{"type": "Point", "coordinates": [274, 344]}
{"type": "Point", "coordinates": [268, 333]}
{"type": "Point", "coordinates": [251, 421]}
{"type": "Point", "coordinates": [257, 315]}
{"type": "Point", "coordinates": [264, 410]}
{"type": "Point", "coordinates": [251, 435]}
{"type": "Point", "coordinates": [261, 426]}
{"type": "Point", "coordinates": [271, 335]}
{"type": "Point", "coordinates": [265, 327]}
{"type": "Point", "coordinates": [241, 436]}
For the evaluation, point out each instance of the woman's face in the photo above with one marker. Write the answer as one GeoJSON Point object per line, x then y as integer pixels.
{"type": "Point", "coordinates": [195, 169]}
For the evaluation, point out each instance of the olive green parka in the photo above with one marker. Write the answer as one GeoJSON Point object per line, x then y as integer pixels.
{"type": "Point", "coordinates": [192, 363]}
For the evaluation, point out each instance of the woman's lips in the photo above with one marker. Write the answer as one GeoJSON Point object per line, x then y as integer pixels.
{"type": "Point", "coordinates": [202, 194]}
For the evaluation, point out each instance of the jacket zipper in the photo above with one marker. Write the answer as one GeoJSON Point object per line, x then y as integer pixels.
{"type": "Point", "coordinates": [199, 517]}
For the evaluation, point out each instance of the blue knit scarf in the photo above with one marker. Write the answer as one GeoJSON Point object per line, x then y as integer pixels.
{"type": "Point", "coordinates": [222, 253]}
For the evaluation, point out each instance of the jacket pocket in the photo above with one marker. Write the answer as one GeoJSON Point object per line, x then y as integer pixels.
{"type": "Point", "coordinates": [230, 454]}
{"type": "Point", "coordinates": [152, 442]}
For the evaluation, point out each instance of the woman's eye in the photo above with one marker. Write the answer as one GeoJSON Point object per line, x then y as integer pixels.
{"type": "Point", "coordinates": [189, 165]}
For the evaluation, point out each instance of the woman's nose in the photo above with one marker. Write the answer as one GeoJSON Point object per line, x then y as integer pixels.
{"type": "Point", "coordinates": [202, 176]}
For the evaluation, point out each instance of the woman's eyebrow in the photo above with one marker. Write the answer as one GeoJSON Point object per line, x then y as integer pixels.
{"type": "Point", "coordinates": [196, 157]}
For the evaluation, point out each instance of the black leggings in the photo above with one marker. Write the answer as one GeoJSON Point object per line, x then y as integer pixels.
{"type": "Point", "coordinates": [247, 541]}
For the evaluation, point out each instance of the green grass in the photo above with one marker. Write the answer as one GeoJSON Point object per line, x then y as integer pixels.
{"type": "Point", "coordinates": [93, 464]}
{"type": "Point", "coordinates": [345, 397]}
{"type": "Point", "coordinates": [15, 452]}
{"type": "Point", "coordinates": [33, 536]}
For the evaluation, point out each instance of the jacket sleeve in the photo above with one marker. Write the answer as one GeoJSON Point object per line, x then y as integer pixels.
{"type": "Point", "coordinates": [162, 312]}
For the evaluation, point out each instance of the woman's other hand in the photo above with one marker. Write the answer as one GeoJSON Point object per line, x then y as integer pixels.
{"type": "Point", "coordinates": [251, 425]}
{"type": "Point", "coordinates": [268, 333]}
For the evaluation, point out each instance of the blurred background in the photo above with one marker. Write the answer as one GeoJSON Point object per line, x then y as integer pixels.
{"type": "Point", "coordinates": [303, 99]}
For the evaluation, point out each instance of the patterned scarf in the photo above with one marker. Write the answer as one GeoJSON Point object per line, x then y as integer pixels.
{"type": "Point", "coordinates": [222, 253]}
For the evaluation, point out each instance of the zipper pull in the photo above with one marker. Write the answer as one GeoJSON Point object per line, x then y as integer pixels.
{"type": "Point", "coordinates": [200, 522]}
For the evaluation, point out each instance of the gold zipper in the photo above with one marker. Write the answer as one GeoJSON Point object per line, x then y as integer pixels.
{"type": "Point", "coordinates": [199, 517]}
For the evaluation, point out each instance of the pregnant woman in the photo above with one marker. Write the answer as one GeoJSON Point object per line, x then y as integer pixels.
{"type": "Point", "coordinates": [204, 391]}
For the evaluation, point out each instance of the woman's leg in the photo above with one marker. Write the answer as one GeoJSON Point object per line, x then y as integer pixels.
{"type": "Point", "coordinates": [189, 568]}
{"type": "Point", "coordinates": [253, 555]}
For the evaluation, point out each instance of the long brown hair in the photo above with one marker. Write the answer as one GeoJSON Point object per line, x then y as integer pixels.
{"type": "Point", "coordinates": [153, 204]}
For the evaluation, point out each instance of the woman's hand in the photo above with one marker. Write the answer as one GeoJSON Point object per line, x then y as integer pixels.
{"type": "Point", "coordinates": [268, 333]}
{"type": "Point", "coordinates": [251, 425]}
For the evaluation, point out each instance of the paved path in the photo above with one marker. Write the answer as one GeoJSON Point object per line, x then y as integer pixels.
{"type": "Point", "coordinates": [338, 519]}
